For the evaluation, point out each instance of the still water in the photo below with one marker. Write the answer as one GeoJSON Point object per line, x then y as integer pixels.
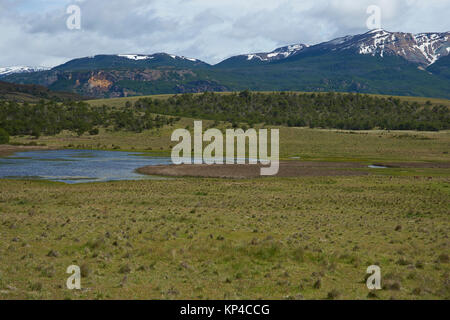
{"type": "Point", "coordinates": [77, 166]}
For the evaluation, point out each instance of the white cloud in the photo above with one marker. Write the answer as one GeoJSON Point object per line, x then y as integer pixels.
{"type": "Point", "coordinates": [34, 32]}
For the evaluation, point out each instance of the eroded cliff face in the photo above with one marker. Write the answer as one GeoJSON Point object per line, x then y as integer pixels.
{"type": "Point", "coordinates": [98, 82]}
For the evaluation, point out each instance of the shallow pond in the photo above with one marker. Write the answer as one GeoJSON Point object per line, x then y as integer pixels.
{"type": "Point", "coordinates": [77, 166]}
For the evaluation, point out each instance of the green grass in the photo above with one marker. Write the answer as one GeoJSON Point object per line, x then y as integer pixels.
{"type": "Point", "coordinates": [308, 144]}
{"type": "Point", "coordinates": [366, 146]}
{"type": "Point", "coordinates": [234, 239]}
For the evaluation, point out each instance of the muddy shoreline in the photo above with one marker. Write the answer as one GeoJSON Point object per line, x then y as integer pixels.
{"type": "Point", "coordinates": [239, 171]}
{"type": "Point", "coordinates": [287, 169]}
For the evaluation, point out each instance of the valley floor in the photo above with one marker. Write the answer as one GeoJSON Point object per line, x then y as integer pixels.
{"type": "Point", "coordinates": [202, 238]}
{"type": "Point", "coordinates": [210, 238]}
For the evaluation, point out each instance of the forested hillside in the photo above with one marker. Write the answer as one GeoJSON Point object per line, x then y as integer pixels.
{"type": "Point", "coordinates": [331, 110]}
{"type": "Point", "coordinates": [32, 93]}
{"type": "Point", "coordinates": [244, 109]}
{"type": "Point", "coordinates": [50, 118]}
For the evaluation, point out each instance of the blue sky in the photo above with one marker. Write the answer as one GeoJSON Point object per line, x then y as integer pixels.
{"type": "Point", "coordinates": [34, 32]}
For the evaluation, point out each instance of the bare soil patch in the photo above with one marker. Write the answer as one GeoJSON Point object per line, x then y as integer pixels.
{"type": "Point", "coordinates": [287, 169]}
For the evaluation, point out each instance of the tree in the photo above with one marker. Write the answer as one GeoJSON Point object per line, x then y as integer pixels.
{"type": "Point", "coordinates": [4, 136]}
{"type": "Point", "coordinates": [94, 132]}
{"type": "Point", "coordinates": [245, 94]}
{"type": "Point", "coordinates": [36, 132]}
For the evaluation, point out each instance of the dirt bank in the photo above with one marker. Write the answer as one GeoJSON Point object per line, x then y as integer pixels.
{"type": "Point", "coordinates": [287, 169]}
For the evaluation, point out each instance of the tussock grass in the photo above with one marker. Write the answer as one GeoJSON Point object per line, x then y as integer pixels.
{"type": "Point", "coordinates": [280, 238]}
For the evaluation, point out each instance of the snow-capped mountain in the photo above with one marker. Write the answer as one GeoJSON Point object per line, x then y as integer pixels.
{"type": "Point", "coordinates": [132, 61]}
{"type": "Point", "coordinates": [264, 57]}
{"type": "Point", "coordinates": [277, 54]}
{"type": "Point", "coordinates": [20, 69]}
{"type": "Point", "coordinates": [423, 48]}
{"type": "Point", "coordinates": [377, 61]}
{"type": "Point", "coordinates": [137, 57]}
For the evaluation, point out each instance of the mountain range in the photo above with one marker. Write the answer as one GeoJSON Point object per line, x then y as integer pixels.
{"type": "Point", "coordinates": [378, 61]}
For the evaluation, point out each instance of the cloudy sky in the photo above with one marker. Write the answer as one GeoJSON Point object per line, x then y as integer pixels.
{"type": "Point", "coordinates": [34, 32]}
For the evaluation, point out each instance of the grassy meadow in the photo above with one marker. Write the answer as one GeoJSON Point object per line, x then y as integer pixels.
{"type": "Point", "coordinates": [308, 144]}
{"type": "Point", "coordinates": [283, 238]}
{"type": "Point", "coordinates": [263, 238]}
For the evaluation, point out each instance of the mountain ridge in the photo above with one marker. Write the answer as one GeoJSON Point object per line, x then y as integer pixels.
{"type": "Point", "coordinates": [377, 61]}
{"type": "Point", "coordinates": [422, 48]}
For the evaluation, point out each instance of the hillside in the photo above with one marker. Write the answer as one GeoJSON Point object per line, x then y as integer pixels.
{"type": "Point", "coordinates": [130, 61]}
{"type": "Point", "coordinates": [441, 67]}
{"type": "Point", "coordinates": [421, 49]}
{"type": "Point", "coordinates": [32, 93]}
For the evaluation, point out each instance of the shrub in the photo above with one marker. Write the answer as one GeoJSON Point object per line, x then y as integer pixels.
{"type": "Point", "coordinates": [333, 294]}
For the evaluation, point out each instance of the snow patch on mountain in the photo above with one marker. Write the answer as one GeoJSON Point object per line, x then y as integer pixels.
{"type": "Point", "coordinates": [429, 45]}
{"type": "Point", "coordinates": [252, 56]}
{"type": "Point", "coordinates": [279, 53]}
{"type": "Point", "coordinates": [182, 57]}
{"type": "Point", "coordinates": [20, 69]}
{"type": "Point", "coordinates": [138, 57]}
{"type": "Point", "coordinates": [135, 56]}
{"type": "Point", "coordinates": [377, 45]}
{"type": "Point", "coordinates": [423, 48]}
